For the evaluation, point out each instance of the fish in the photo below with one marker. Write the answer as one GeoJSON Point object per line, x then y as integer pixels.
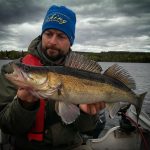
{"type": "Point", "coordinates": [80, 81]}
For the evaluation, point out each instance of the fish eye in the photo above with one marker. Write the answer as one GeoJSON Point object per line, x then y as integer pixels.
{"type": "Point", "coordinates": [26, 68]}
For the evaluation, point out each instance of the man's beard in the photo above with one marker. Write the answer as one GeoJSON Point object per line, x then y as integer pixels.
{"type": "Point", "coordinates": [54, 58]}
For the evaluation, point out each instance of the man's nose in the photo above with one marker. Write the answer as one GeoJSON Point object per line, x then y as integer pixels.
{"type": "Point", "coordinates": [53, 40]}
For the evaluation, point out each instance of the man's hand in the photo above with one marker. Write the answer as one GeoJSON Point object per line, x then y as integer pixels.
{"type": "Point", "coordinates": [25, 96]}
{"type": "Point", "coordinates": [92, 109]}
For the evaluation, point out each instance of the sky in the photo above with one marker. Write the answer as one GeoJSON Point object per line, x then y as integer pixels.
{"type": "Point", "coordinates": [102, 25]}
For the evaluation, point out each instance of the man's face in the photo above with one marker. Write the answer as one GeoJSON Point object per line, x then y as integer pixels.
{"type": "Point", "coordinates": [55, 44]}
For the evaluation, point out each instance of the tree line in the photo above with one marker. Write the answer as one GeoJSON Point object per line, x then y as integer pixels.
{"type": "Point", "coordinates": [103, 56]}
{"type": "Point", "coordinates": [119, 56]}
{"type": "Point", "coordinates": [12, 54]}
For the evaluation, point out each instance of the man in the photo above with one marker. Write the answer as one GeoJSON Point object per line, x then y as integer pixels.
{"type": "Point", "coordinates": [32, 122]}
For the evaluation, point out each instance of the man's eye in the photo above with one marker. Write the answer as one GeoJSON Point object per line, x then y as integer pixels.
{"type": "Point", "coordinates": [48, 34]}
{"type": "Point", "coordinates": [62, 36]}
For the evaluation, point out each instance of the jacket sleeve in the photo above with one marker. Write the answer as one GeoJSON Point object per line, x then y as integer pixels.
{"type": "Point", "coordinates": [14, 118]}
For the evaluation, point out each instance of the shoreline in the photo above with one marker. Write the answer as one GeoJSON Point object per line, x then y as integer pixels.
{"type": "Point", "coordinates": [110, 56]}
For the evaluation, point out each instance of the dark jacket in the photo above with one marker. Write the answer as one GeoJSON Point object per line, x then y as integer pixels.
{"type": "Point", "coordinates": [17, 120]}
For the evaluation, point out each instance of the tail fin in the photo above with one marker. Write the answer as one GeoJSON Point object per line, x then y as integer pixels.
{"type": "Point", "coordinates": [140, 102]}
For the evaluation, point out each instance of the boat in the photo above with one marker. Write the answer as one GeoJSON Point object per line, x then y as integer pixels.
{"type": "Point", "coordinates": [129, 135]}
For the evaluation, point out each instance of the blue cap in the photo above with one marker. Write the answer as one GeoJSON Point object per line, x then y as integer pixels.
{"type": "Point", "coordinates": [60, 18]}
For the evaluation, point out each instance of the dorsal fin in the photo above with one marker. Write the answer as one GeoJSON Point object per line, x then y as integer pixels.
{"type": "Point", "coordinates": [117, 72]}
{"type": "Point", "coordinates": [75, 60]}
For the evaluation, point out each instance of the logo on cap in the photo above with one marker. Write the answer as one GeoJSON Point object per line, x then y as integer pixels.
{"type": "Point", "coordinates": [56, 18]}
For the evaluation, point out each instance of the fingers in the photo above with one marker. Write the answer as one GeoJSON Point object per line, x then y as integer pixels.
{"type": "Point", "coordinates": [92, 109]}
{"type": "Point", "coordinates": [25, 95]}
{"type": "Point", "coordinates": [84, 108]}
{"type": "Point", "coordinates": [101, 105]}
{"type": "Point", "coordinates": [96, 107]}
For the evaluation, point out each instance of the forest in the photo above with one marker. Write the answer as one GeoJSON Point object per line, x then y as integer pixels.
{"type": "Point", "coordinates": [112, 56]}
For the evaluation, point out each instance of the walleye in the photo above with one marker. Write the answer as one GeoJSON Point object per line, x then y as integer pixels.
{"type": "Point", "coordinates": [79, 81]}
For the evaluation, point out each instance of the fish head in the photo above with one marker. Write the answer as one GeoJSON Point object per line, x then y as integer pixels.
{"type": "Point", "coordinates": [24, 79]}
{"type": "Point", "coordinates": [17, 76]}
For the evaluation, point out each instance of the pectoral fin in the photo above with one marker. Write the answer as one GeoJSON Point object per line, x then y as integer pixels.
{"type": "Point", "coordinates": [68, 112]}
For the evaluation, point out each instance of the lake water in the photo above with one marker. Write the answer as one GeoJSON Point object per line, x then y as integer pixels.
{"type": "Point", "coordinates": [139, 71]}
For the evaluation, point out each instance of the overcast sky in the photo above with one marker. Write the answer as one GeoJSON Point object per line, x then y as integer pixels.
{"type": "Point", "coordinates": [102, 25]}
